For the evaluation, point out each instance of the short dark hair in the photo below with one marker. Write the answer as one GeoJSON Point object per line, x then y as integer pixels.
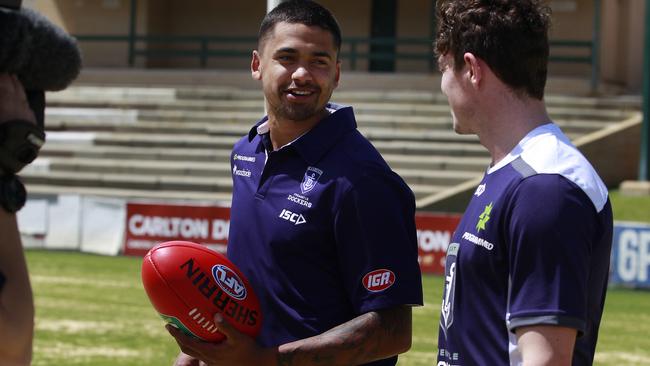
{"type": "Point", "coordinates": [511, 36]}
{"type": "Point", "coordinates": [305, 12]}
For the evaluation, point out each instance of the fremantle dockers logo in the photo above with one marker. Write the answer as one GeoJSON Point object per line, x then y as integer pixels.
{"type": "Point", "coordinates": [447, 311]}
{"type": "Point", "coordinates": [310, 179]}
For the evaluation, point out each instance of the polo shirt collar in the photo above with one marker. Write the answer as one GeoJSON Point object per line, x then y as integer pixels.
{"type": "Point", "coordinates": [316, 142]}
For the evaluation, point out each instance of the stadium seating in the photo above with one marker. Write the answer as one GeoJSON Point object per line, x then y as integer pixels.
{"type": "Point", "coordinates": [173, 144]}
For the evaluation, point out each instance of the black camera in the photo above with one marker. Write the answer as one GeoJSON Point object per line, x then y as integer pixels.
{"type": "Point", "coordinates": [44, 58]}
{"type": "Point", "coordinates": [20, 141]}
{"type": "Point", "coordinates": [11, 4]}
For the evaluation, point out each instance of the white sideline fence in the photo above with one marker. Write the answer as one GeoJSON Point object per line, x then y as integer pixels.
{"type": "Point", "coordinates": [73, 222]}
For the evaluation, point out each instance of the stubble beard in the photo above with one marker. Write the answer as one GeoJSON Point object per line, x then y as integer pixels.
{"type": "Point", "coordinates": [299, 111]}
{"type": "Point", "coordinates": [293, 112]}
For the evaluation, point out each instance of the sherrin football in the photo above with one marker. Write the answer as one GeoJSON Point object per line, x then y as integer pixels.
{"type": "Point", "coordinates": [188, 283]}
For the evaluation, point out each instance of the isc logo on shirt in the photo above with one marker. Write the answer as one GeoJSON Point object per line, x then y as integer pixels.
{"type": "Point", "coordinates": [378, 280]}
{"type": "Point", "coordinates": [297, 219]}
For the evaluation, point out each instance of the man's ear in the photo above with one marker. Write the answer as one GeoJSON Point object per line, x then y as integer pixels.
{"type": "Point", "coordinates": [475, 71]}
{"type": "Point", "coordinates": [256, 67]}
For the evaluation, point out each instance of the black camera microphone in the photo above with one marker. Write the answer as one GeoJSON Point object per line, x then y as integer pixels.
{"type": "Point", "coordinates": [41, 54]}
{"type": "Point", "coordinates": [11, 4]}
{"type": "Point", "coordinates": [44, 58]}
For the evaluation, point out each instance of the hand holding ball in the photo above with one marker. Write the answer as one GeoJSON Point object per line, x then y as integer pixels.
{"type": "Point", "coordinates": [188, 283]}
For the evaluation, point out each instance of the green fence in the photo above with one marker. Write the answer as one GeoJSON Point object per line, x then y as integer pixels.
{"type": "Point", "coordinates": [353, 50]}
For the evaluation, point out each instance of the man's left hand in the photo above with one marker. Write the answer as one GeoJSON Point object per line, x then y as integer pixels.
{"type": "Point", "coordinates": [237, 349]}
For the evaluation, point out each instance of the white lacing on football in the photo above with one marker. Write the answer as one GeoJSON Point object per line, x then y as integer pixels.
{"type": "Point", "coordinates": [202, 321]}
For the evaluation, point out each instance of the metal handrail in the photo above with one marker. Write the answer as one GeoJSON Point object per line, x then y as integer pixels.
{"type": "Point", "coordinates": [353, 48]}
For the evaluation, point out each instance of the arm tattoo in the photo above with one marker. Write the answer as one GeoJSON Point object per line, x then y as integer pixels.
{"type": "Point", "coordinates": [368, 337]}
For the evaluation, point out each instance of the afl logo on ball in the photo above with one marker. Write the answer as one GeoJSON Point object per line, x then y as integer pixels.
{"type": "Point", "coordinates": [229, 282]}
{"type": "Point", "coordinates": [379, 280]}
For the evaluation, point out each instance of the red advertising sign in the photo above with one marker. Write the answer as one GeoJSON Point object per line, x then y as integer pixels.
{"type": "Point", "coordinates": [434, 233]}
{"type": "Point", "coordinates": [150, 224]}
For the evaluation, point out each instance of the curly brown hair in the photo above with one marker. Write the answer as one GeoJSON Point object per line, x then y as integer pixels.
{"type": "Point", "coordinates": [511, 36]}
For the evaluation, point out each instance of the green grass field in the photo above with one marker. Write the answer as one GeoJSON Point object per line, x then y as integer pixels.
{"type": "Point", "coordinates": [92, 310]}
{"type": "Point", "coordinates": [630, 208]}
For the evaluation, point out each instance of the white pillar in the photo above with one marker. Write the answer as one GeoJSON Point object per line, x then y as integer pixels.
{"type": "Point", "coordinates": [270, 4]}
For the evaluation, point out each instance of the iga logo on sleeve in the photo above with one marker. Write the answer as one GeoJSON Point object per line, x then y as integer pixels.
{"type": "Point", "coordinates": [379, 280]}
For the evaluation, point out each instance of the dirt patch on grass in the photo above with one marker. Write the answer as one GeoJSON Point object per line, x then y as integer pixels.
{"type": "Point", "coordinates": [77, 326]}
{"type": "Point", "coordinates": [72, 352]}
{"type": "Point", "coordinates": [61, 280]}
{"type": "Point", "coordinates": [622, 358]}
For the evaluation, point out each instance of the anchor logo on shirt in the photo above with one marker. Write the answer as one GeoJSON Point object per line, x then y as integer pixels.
{"type": "Point", "coordinates": [310, 179]}
{"type": "Point", "coordinates": [447, 307]}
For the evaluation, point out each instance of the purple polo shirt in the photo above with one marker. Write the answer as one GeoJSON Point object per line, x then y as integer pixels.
{"type": "Point", "coordinates": [323, 229]}
{"type": "Point", "coordinates": [532, 248]}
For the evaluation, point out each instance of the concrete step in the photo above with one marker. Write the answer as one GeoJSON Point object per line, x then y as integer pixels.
{"type": "Point", "coordinates": [222, 198]}
{"type": "Point", "coordinates": [188, 168]}
{"type": "Point", "coordinates": [70, 150]}
{"type": "Point", "coordinates": [249, 111]}
{"type": "Point", "coordinates": [408, 135]}
{"type": "Point", "coordinates": [168, 196]}
{"type": "Point", "coordinates": [412, 128]}
{"type": "Point", "coordinates": [168, 127]}
{"type": "Point", "coordinates": [352, 96]}
{"type": "Point", "coordinates": [175, 143]}
{"type": "Point", "coordinates": [172, 121]}
{"type": "Point", "coordinates": [256, 105]}
{"type": "Point", "coordinates": [458, 145]}
{"type": "Point", "coordinates": [437, 162]}
{"type": "Point", "coordinates": [620, 102]}
{"type": "Point", "coordinates": [161, 95]}
{"type": "Point", "coordinates": [231, 99]}
{"type": "Point", "coordinates": [200, 170]}
{"type": "Point", "coordinates": [422, 190]}
{"type": "Point", "coordinates": [128, 181]}
{"type": "Point", "coordinates": [64, 152]}
{"type": "Point", "coordinates": [433, 148]}
{"type": "Point", "coordinates": [251, 117]}
{"type": "Point", "coordinates": [164, 140]}
{"type": "Point", "coordinates": [435, 177]}
{"type": "Point", "coordinates": [199, 129]}
{"type": "Point", "coordinates": [564, 113]}
{"type": "Point", "coordinates": [137, 186]}
{"type": "Point", "coordinates": [111, 116]}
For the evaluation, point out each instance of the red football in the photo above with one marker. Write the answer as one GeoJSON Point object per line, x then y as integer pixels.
{"type": "Point", "coordinates": [188, 283]}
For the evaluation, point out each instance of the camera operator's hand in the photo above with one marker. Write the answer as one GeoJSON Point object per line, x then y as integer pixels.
{"type": "Point", "coordinates": [20, 141]}
{"type": "Point", "coordinates": [13, 101]}
{"type": "Point", "coordinates": [20, 136]}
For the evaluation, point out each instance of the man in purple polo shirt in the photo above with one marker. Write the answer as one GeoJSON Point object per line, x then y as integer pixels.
{"type": "Point", "coordinates": [320, 225]}
{"type": "Point", "coordinates": [527, 267]}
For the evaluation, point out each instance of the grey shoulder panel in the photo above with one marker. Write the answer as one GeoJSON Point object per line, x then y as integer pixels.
{"type": "Point", "coordinates": [523, 168]}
